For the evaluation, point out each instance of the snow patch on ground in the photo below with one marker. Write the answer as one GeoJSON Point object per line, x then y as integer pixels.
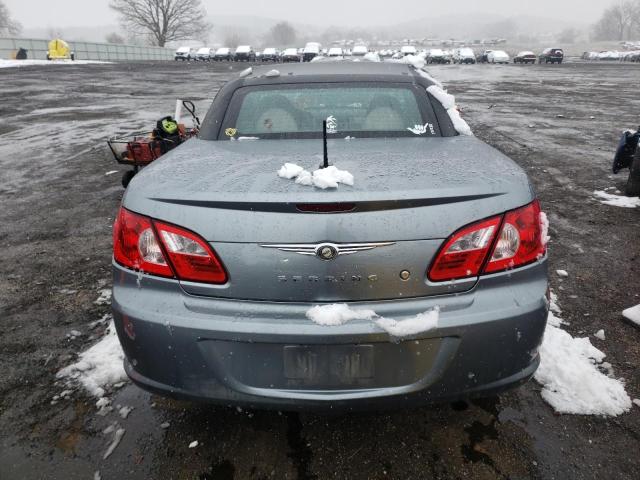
{"type": "Point", "coordinates": [98, 367]}
{"type": "Point", "coordinates": [322, 178]}
{"type": "Point", "coordinates": [616, 200]}
{"type": "Point", "coordinates": [448, 101]}
{"type": "Point", "coordinates": [632, 314]}
{"type": "Point", "coordinates": [117, 437]}
{"type": "Point", "coordinates": [29, 63]}
{"type": "Point", "coordinates": [339, 314]}
{"type": "Point", "coordinates": [569, 374]}
{"type": "Point", "coordinates": [104, 298]}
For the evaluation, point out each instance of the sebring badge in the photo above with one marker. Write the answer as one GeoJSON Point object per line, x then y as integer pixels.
{"type": "Point", "coordinates": [327, 251]}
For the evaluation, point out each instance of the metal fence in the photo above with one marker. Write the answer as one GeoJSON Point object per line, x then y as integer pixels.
{"type": "Point", "coordinates": [37, 49]}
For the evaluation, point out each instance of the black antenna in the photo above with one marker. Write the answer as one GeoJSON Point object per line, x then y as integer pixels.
{"type": "Point", "coordinates": [324, 144]}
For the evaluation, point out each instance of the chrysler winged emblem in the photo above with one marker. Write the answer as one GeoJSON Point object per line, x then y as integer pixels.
{"type": "Point", "coordinates": [326, 251]}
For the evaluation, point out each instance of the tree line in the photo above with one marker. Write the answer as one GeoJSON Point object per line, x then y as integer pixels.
{"type": "Point", "coordinates": [621, 21]}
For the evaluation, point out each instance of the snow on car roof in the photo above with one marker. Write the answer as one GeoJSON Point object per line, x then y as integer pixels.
{"type": "Point", "coordinates": [243, 48]}
{"type": "Point", "coordinates": [525, 52]}
{"type": "Point", "coordinates": [269, 50]}
{"type": "Point", "coordinates": [223, 50]}
{"type": "Point", "coordinates": [291, 51]}
{"type": "Point", "coordinates": [301, 72]}
{"type": "Point", "coordinates": [204, 50]}
{"type": "Point", "coordinates": [184, 49]}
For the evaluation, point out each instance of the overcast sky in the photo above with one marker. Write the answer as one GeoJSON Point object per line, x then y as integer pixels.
{"type": "Point", "coordinates": [63, 13]}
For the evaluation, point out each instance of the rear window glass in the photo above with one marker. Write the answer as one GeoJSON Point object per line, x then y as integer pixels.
{"type": "Point", "coordinates": [297, 111]}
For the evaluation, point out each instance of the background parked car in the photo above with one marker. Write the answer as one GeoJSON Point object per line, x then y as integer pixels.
{"type": "Point", "coordinates": [484, 56]}
{"type": "Point", "coordinates": [551, 55]}
{"type": "Point", "coordinates": [184, 53]}
{"type": "Point", "coordinates": [290, 55]}
{"type": "Point", "coordinates": [437, 55]}
{"type": "Point", "coordinates": [498, 56]}
{"type": "Point", "coordinates": [203, 54]}
{"type": "Point", "coordinates": [311, 50]}
{"type": "Point", "coordinates": [270, 55]}
{"type": "Point", "coordinates": [244, 53]}
{"type": "Point", "coordinates": [464, 55]}
{"type": "Point", "coordinates": [525, 57]}
{"type": "Point", "coordinates": [335, 52]}
{"type": "Point", "coordinates": [408, 50]}
{"type": "Point", "coordinates": [223, 53]}
{"type": "Point", "coordinates": [359, 51]}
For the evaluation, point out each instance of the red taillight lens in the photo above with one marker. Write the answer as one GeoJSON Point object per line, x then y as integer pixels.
{"type": "Point", "coordinates": [520, 241]}
{"type": "Point", "coordinates": [465, 251]}
{"type": "Point", "coordinates": [136, 246]}
{"type": "Point", "coordinates": [192, 258]}
{"type": "Point", "coordinates": [160, 249]}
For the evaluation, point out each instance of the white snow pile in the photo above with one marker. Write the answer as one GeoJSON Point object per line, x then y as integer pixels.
{"type": "Point", "coordinates": [418, 61]}
{"type": "Point", "coordinates": [98, 367]}
{"type": "Point", "coordinates": [104, 298]}
{"type": "Point", "coordinates": [569, 374]}
{"type": "Point", "coordinates": [616, 200]}
{"type": "Point", "coordinates": [30, 63]}
{"type": "Point", "coordinates": [340, 313]}
{"type": "Point", "coordinates": [448, 101]}
{"type": "Point", "coordinates": [322, 178]}
{"type": "Point", "coordinates": [544, 224]}
{"type": "Point", "coordinates": [632, 314]}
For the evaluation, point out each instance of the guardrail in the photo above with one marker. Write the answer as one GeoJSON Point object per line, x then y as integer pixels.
{"type": "Point", "coordinates": [37, 49]}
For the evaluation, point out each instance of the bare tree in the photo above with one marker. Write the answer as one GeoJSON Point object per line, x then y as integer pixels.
{"type": "Point", "coordinates": [163, 20]}
{"type": "Point", "coordinates": [114, 38]}
{"type": "Point", "coordinates": [282, 34]}
{"type": "Point", "coordinates": [8, 26]}
{"type": "Point", "coordinates": [619, 22]}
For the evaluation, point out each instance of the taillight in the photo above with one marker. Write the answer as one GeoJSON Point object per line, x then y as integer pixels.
{"type": "Point", "coordinates": [160, 249]}
{"type": "Point", "coordinates": [521, 240]}
{"type": "Point", "coordinates": [465, 251]}
{"type": "Point", "coordinates": [136, 246]}
{"type": "Point", "coordinates": [191, 257]}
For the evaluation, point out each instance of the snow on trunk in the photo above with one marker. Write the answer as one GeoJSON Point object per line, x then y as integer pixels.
{"type": "Point", "coordinates": [322, 178]}
{"type": "Point", "coordinates": [339, 314]}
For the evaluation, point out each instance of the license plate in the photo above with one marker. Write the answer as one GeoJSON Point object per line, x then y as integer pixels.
{"type": "Point", "coordinates": [328, 364]}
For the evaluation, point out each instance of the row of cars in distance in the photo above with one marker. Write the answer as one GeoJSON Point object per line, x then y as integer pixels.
{"type": "Point", "coordinates": [613, 55]}
{"type": "Point", "coordinates": [548, 55]}
{"type": "Point", "coordinates": [463, 55]}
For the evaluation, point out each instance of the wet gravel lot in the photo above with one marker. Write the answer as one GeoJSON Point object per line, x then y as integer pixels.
{"type": "Point", "coordinates": [560, 123]}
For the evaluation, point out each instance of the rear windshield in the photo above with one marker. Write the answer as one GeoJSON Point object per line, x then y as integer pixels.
{"type": "Point", "coordinates": [357, 110]}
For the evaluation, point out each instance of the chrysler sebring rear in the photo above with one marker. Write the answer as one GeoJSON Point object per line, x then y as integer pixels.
{"type": "Point", "coordinates": [219, 261]}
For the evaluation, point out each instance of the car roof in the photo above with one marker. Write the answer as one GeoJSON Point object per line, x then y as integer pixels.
{"type": "Point", "coordinates": [332, 71]}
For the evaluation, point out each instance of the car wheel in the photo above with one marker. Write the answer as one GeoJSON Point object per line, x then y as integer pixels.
{"type": "Point", "coordinates": [127, 177]}
{"type": "Point", "coordinates": [633, 182]}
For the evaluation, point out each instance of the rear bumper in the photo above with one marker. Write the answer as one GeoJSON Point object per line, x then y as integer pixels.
{"type": "Point", "coordinates": [267, 354]}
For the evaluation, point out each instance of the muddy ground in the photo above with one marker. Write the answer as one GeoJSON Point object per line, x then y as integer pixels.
{"type": "Point", "coordinates": [560, 123]}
